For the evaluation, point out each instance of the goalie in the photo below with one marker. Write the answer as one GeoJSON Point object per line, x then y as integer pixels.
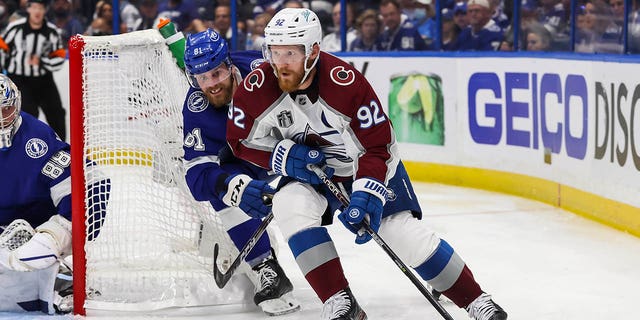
{"type": "Point", "coordinates": [35, 191]}
{"type": "Point", "coordinates": [212, 172]}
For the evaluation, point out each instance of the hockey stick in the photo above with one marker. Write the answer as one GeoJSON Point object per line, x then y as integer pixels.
{"type": "Point", "coordinates": [365, 224]}
{"type": "Point", "coordinates": [222, 278]}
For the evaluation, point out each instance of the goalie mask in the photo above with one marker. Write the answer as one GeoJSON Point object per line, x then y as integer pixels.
{"type": "Point", "coordinates": [9, 111]}
{"type": "Point", "coordinates": [293, 26]}
{"type": "Point", "coordinates": [206, 58]}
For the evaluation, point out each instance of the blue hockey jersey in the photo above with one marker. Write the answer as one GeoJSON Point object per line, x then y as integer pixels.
{"type": "Point", "coordinates": [405, 38]}
{"type": "Point", "coordinates": [207, 156]}
{"type": "Point", "coordinates": [487, 39]}
{"type": "Point", "coordinates": [36, 176]}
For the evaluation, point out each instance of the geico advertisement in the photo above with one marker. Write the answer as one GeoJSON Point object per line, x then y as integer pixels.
{"type": "Point", "coordinates": [565, 121]}
{"type": "Point", "coordinates": [573, 122]}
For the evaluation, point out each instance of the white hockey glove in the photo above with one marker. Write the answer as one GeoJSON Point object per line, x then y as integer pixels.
{"type": "Point", "coordinates": [248, 194]}
{"type": "Point", "coordinates": [51, 240]}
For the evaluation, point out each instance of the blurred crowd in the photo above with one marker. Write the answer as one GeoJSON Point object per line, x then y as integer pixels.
{"type": "Point", "coordinates": [372, 25]}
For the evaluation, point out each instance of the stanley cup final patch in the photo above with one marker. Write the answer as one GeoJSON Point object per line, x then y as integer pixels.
{"type": "Point", "coordinates": [285, 119]}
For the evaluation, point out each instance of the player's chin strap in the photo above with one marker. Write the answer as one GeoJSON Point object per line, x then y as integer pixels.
{"type": "Point", "coordinates": [344, 199]}
{"type": "Point", "coordinates": [307, 71]}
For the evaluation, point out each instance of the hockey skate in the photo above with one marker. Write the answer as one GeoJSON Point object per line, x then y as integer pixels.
{"type": "Point", "coordinates": [483, 308]}
{"type": "Point", "coordinates": [274, 292]}
{"type": "Point", "coordinates": [342, 306]}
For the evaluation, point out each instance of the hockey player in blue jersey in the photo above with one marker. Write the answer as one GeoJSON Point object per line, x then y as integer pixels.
{"type": "Point", "coordinates": [35, 191]}
{"type": "Point", "coordinates": [213, 174]}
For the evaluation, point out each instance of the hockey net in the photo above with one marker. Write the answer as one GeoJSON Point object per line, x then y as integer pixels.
{"type": "Point", "coordinates": [141, 242]}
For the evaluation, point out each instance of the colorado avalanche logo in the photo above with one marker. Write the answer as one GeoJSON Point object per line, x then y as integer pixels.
{"type": "Point", "coordinates": [256, 63]}
{"type": "Point", "coordinates": [36, 148]}
{"type": "Point", "coordinates": [354, 213]}
{"type": "Point", "coordinates": [255, 79]}
{"type": "Point", "coordinates": [391, 195]}
{"type": "Point", "coordinates": [197, 102]}
{"type": "Point", "coordinates": [342, 76]}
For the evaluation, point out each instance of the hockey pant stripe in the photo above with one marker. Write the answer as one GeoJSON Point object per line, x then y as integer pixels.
{"type": "Point", "coordinates": [446, 272]}
{"type": "Point", "coordinates": [442, 268]}
{"type": "Point", "coordinates": [318, 260]}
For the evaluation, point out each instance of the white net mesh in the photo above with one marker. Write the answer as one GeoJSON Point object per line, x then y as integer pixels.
{"type": "Point", "coordinates": [153, 246]}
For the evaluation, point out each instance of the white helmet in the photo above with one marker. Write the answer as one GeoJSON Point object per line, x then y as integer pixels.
{"type": "Point", "coordinates": [10, 104]}
{"type": "Point", "coordinates": [293, 26]}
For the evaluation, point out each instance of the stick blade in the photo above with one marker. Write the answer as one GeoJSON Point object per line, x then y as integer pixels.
{"type": "Point", "coordinates": [220, 277]}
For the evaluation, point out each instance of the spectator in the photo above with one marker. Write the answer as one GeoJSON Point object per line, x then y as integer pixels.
{"type": "Point", "coordinates": [538, 38]}
{"type": "Point", "coordinates": [129, 15]}
{"type": "Point", "coordinates": [483, 34]}
{"type": "Point", "coordinates": [20, 12]}
{"type": "Point", "coordinates": [102, 23]}
{"type": "Point", "coordinates": [65, 20]}
{"type": "Point", "coordinates": [256, 39]}
{"type": "Point", "coordinates": [148, 15]}
{"type": "Point", "coordinates": [398, 35]}
{"type": "Point", "coordinates": [222, 24]}
{"type": "Point", "coordinates": [368, 26]}
{"type": "Point", "coordinates": [460, 16]}
{"type": "Point", "coordinates": [591, 35]}
{"type": "Point", "coordinates": [450, 30]}
{"type": "Point", "coordinates": [634, 30]}
{"type": "Point", "coordinates": [183, 14]}
{"type": "Point", "coordinates": [501, 19]}
{"type": "Point", "coordinates": [552, 16]}
{"type": "Point", "coordinates": [332, 42]}
{"type": "Point", "coordinates": [507, 42]}
{"type": "Point", "coordinates": [423, 20]}
{"type": "Point", "coordinates": [269, 6]}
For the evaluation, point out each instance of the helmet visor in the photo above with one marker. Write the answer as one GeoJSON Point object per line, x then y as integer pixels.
{"type": "Point", "coordinates": [211, 77]}
{"type": "Point", "coordinates": [285, 54]}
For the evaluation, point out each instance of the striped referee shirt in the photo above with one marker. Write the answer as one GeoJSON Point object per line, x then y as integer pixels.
{"type": "Point", "coordinates": [20, 42]}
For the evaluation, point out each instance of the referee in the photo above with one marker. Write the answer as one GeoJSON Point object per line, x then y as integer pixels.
{"type": "Point", "coordinates": [31, 50]}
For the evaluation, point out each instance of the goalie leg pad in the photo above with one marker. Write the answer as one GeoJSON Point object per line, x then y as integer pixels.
{"type": "Point", "coordinates": [297, 206]}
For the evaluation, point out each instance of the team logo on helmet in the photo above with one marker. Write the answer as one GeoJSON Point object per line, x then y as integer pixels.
{"type": "Point", "coordinates": [256, 63]}
{"type": "Point", "coordinates": [255, 79]}
{"type": "Point", "coordinates": [36, 148]}
{"type": "Point", "coordinates": [342, 76]}
{"type": "Point", "coordinates": [197, 102]}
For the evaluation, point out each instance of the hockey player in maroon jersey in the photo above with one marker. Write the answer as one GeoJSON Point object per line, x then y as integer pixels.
{"type": "Point", "coordinates": [309, 107]}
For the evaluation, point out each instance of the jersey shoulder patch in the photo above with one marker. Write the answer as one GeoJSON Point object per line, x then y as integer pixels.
{"type": "Point", "coordinates": [254, 80]}
{"type": "Point", "coordinates": [36, 148]}
{"type": "Point", "coordinates": [342, 76]}
{"type": "Point", "coordinates": [197, 101]}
